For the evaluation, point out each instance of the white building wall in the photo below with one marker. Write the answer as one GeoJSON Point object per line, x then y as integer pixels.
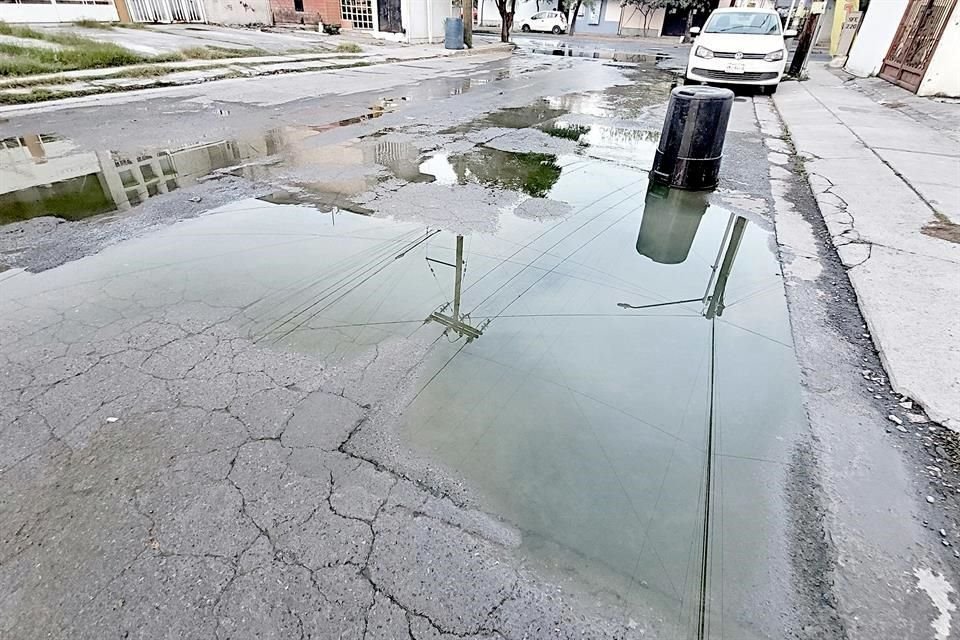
{"type": "Point", "coordinates": [238, 12]}
{"type": "Point", "coordinates": [874, 37]}
{"type": "Point", "coordinates": [42, 163]}
{"type": "Point", "coordinates": [943, 74]}
{"type": "Point", "coordinates": [423, 19]}
{"type": "Point", "coordinates": [826, 24]}
{"type": "Point", "coordinates": [52, 12]}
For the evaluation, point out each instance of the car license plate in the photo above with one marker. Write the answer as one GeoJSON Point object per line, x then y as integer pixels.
{"type": "Point", "coordinates": [734, 67]}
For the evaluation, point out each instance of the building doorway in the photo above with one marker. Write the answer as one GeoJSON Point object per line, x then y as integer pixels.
{"type": "Point", "coordinates": [388, 12]}
{"type": "Point", "coordinates": [915, 41]}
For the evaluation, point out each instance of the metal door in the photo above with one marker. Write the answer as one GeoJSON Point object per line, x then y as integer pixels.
{"type": "Point", "coordinates": [166, 10]}
{"type": "Point", "coordinates": [388, 12]}
{"type": "Point", "coordinates": [915, 41]}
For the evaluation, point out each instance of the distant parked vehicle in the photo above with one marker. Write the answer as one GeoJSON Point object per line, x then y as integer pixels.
{"type": "Point", "coordinates": [739, 46]}
{"type": "Point", "coordinates": [546, 21]}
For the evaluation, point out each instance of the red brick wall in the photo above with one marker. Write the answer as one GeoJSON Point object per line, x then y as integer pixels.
{"type": "Point", "coordinates": [313, 11]}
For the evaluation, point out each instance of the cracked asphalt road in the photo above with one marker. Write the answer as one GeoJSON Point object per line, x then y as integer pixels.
{"type": "Point", "coordinates": [200, 486]}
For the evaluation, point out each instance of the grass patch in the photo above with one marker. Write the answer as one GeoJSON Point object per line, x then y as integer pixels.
{"type": "Point", "coordinates": [34, 82]}
{"type": "Point", "coordinates": [142, 72]}
{"type": "Point", "coordinates": [348, 47]}
{"type": "Point", "coordinates": [77, 52]}
{"type": "Point", "coordinates": [19, 32]}
{"type": "Point", "coordinates": [93, 24]}
{"type": "Point", "coordinates": [22, 61]}
{"type": "Point", "coordinates": [37, 95]}
{"type": "Point", "coordinates": [131, 25]}
{"type": "Point", "coordinates": [571, 132]}
{"type": "Point", "coordinates": [65, 39]}
{"type": "Point", "coordinates": [219, 53]}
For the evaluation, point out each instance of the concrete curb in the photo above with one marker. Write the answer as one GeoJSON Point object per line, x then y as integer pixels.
{"type": "Point", "coordinates": [505, 47]}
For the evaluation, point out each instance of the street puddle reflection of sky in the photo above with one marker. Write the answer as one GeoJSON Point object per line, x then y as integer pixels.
{"type": "Point", "coordinates": [620, 343]}
{"type": "Point", "coordinates": [629, 395]}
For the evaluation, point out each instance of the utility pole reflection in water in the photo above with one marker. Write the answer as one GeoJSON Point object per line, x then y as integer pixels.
{"type": "Point", "coordinates": [671, 219]}
{"type": "Point", "coordinates": [713, 302]}
{"type": "Point", "coordinates": [455, 321]}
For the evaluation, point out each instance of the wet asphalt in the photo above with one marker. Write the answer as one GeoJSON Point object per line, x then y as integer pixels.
{"type": "Point", "coordinates": [227, 412]}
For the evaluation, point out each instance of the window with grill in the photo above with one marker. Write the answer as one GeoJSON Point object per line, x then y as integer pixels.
{"type": "Point", "coordinates": [358, 12]}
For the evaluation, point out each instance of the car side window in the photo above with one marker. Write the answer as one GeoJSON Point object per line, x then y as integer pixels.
{"type": "Point", "coordinates": [537, 16]}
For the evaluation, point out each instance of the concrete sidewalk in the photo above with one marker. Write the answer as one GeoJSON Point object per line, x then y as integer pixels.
{"type": "Point", "coordinates": [888, 185]}
{"type": "Point", "coordinates": [20, 91]}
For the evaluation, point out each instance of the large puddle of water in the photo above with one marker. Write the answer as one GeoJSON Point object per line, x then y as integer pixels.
{"type": "Point", "coordinates": [631, 399]}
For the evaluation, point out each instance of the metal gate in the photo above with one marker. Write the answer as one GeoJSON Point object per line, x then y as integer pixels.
{"type": "Point", "coordinates": [388, 13]}
{"type": "Point", "coordinates": [916, 40]}
{"type": "Point", "coordinates": [167, 10]}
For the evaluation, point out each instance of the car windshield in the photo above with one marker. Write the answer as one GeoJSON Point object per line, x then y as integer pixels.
{"type": "Point", "coordinates": [746, 22]}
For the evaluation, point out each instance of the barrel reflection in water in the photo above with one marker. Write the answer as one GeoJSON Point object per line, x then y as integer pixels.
{"type": "Point", "coordinates": [670, 221]}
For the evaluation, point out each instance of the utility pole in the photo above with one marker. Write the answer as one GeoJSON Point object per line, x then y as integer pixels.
{"type": "Point", "coordinates": [468, 23]}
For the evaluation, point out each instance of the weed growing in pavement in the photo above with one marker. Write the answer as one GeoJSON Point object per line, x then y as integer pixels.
{"type": "Point", "coordinates": [571, 132]}
{"type": "Point", "coordinates": [93, 24]}
{"type": "Point", "coordinates": [213, 52]}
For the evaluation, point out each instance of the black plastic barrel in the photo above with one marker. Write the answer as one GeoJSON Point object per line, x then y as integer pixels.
{"type": "Point", "coordinates": [669, 225]}
{"type": "Point", "coordinates": [453, 33]}
{"type": "Point", "coordinates": [691, 144]}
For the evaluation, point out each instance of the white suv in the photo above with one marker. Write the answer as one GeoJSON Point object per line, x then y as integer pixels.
{"type": "Point", "coordinates": [739, 46]}
{"type": "Point", "coordinates": [552, 21]}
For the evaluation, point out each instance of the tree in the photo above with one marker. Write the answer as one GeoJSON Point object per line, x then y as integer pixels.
{"type": "Point", "coordinates": [468, 23]}
{"type": "Point", "coordinates": [576, 10]}
{"type": "Point", "coordinates": [646, 9]}
{"type": "Point", "coordinates": [507, 9]}
{"type": "Point", "coordinates": [691, 7]}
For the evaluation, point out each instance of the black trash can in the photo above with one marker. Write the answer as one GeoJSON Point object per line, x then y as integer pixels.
{"type": "Point", "coordinates": [691, 144]}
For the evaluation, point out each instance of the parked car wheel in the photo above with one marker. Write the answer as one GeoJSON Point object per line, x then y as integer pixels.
{"type": "Point", "coordinates": [525, 28]}
{"type": "Point", "coordinates": [557, 31]}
